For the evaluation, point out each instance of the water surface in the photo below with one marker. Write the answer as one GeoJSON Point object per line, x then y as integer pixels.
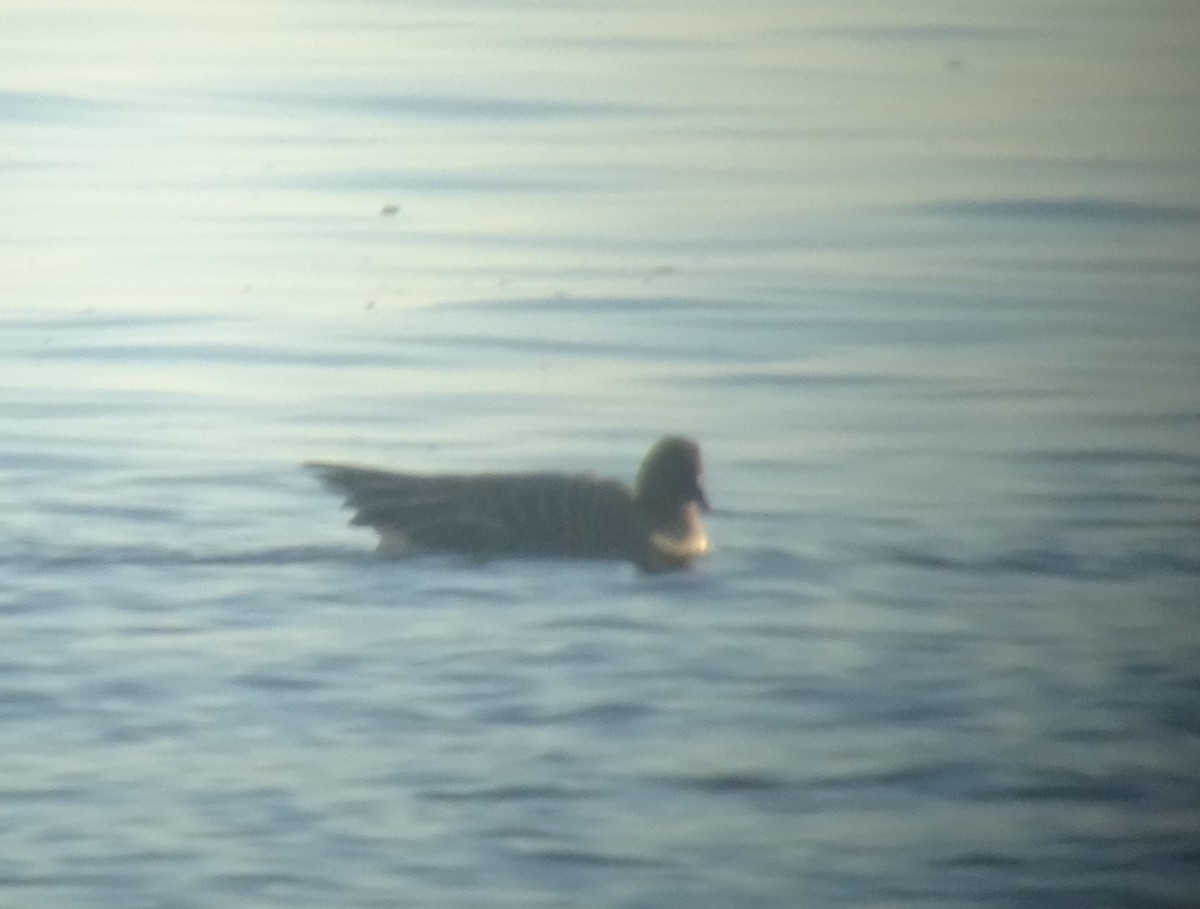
{"type": "Point", "coordinates": [923, 284]}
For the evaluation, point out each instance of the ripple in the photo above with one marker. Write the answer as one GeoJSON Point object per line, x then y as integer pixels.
{"type": "Point", "coordinates": [732, 781]}
{"type": "Point", "coordinates": [507, 793]}
{"type": "Point", "coordinates": [564, 856]}
{"type": "Point", "coordinates": [1075, 564]}
{"type": "Point", "coordinates": [467, 107]}
{"type": "Point", "coordinates": [1083, 208]}
{"type": "Point", "coordinates": [268, 681]}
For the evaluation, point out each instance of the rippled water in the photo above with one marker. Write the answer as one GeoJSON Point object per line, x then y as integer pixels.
{"type": "Point", "coordinates": [924, 285]}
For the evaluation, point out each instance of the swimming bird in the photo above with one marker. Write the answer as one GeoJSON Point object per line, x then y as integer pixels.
{"type": "Point", "coordinates": [655, 523]}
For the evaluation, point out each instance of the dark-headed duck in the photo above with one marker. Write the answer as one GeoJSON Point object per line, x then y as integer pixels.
{"type": "Point", "coordinates": [656, 524]}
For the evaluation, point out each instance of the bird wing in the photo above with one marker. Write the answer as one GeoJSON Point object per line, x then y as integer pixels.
{"type": "Point", "coordinates": [493, 514]}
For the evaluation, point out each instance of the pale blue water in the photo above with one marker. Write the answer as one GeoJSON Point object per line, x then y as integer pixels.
{"type": "Point", "coordinates": [923, 284]}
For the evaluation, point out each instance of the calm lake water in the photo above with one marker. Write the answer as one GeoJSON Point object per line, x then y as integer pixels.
{"type": "Point", "coordinates": [924, 283]}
